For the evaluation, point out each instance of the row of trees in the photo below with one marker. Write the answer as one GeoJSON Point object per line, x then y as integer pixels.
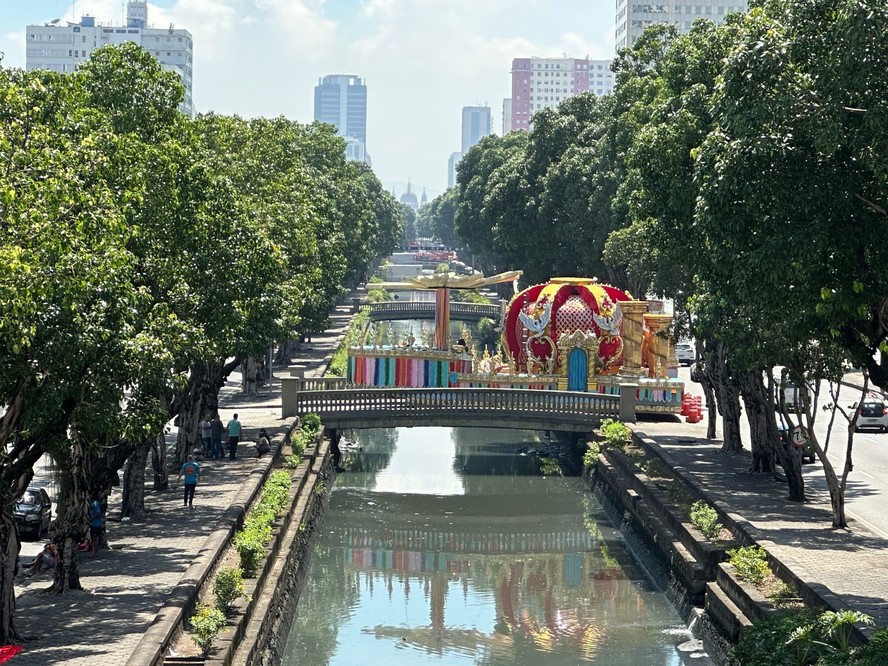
{"type": "Point", "coordinates": [144, 256]}
{"type": "Point", "coordinates": [739, 170]}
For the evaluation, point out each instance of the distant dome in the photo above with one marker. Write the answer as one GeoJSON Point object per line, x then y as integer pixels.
{"type": "Point", "coordinates": [409, 198]}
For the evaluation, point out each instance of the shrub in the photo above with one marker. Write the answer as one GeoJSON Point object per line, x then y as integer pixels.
{"type": "Point", "coordinates": [590, 458]}
{"type": "Point", "coordinates": [228, 586]}
{"type": "Point", "coordinates": [550, 467]}
{"type": "Point", "coordinates": [206, 623]}
{"type": "Point", "coordinates": [750, 563]}
{"type": "Point", "coordinates": [250, 541]}
{"type": "Point", "coordinates": [311, 423]}
{"type": "Point", "coordinates": [615, 433]}
{"type": "Point", "coordinates": [705, 519]}
{"type": "Point", "coordinates": [783, 594]}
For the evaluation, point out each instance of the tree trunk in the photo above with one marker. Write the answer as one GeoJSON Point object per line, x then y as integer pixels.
{"type": "Point", "coordinates": [283, 353]}
{"type": "Point", "coordinates": [700, 375]}
{"type": "Point", "coordinates": [250, 375]}
{"type": "Point", "coordinates": [9, 566]}
{"type": "Point", "coordinates": [727, 398]}
{"type": "Point", "coordinates": [201, 397]}
{"type": "Point", "coordinates": [134, 483]}
{"type": "Point", "coordinates": [760, 415]}
{"type": "Point", "coordinates": [70, 526]}
{"type": "Point", "coordinates": [159, 462]}
{"type": "Point", "coordinates": [836, 492]}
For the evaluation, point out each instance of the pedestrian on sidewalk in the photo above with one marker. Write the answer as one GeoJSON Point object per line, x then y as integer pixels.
{"type": "Point", "coordinates": [206, 435]}
{"type": "Point", "coordinates": [96, 526]}
{"type": "Point", "coordinates": [191, 470]}
{"type": "Point", "coordinates": [216, 430]}
{"type": "Point", "coordinates": [234, 433]}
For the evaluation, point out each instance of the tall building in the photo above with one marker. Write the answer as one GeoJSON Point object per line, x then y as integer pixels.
{"type": "Point", "coordinates": [64, 48]}
{"type": "Point", "coordinates": [633, 19]}
{"type": "Point", "coordinates": [476, 125]}
{"type": "Point", "coordinates": [452, 161]}
{"type": "Point", "coordinates": [341, 100]}
{"type": "Point", "coordinates": [507, 115]}
{"type": "Point", "coordinates": [542, 83]}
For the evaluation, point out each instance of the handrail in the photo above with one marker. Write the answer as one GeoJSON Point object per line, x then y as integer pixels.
{"type": "Point", "coordinates": [317, 395]}
{"type": "Point", "coordinates": [389, 308]}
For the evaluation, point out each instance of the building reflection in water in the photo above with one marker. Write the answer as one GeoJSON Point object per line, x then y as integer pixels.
{"type": "Point", "coordinates": [506, 574]}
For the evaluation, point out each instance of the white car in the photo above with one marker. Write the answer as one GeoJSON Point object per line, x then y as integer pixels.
{"type": "Point", "coordinates": [872, 414]}
{"type": "Point", "coordinates": [685, 353]}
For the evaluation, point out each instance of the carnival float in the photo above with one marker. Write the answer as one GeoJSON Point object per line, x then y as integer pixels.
{"type": "Point", "coordinates": [568, 334]}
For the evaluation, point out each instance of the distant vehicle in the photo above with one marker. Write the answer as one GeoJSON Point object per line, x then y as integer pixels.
{"type": "Point", "coordinates": [800, 442]}
{"type": "Point", "coordinates": [685, 353]}
{"type": "Point", "coordinates": [33, 512]}
{"type": "Point", "coordinates": [872, 414]}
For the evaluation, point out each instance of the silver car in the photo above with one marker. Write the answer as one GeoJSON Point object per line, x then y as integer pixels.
{"type": "Point", "coordinates": [685, 353]}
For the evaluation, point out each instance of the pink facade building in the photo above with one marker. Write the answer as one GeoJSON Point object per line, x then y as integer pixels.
{"type": "Point", "coordinates": [540, 83]}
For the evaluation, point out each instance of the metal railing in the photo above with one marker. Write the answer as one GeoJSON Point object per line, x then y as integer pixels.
{"type": "Point", "coordinates": [426, 309]}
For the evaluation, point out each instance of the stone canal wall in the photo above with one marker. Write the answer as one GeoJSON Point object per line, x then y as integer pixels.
{"type": "Point", "coordinates": [691, 570]}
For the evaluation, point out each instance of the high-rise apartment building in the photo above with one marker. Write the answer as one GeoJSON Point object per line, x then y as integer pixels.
{"type": "Point", "coordinates": [632, 19]}
{"type": "Point", "coordinates": [64, 48]}
{"type": "Point", "coordinates": [542, 83]}
{"type": "Point", "coordinates": [476, 124]}
{"type": "Point", "coordinates": [452, 161]}
{"type": "Point", "coordinates": [507, 115]}
{"type": "Point", "coordinates": [341, 100]}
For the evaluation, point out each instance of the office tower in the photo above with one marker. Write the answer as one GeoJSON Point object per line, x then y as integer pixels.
{"type": "Point", "coordinates": [475, 125]}
{"type": "Point", "coordinates": [452, 161]}
{"type": "Point", "coordinates": [633, 19]}
{"type": "Point", "coordinates": [507, 115]}
{"type": "Point", "coordinates": [64, 48]}
{"type": "Point", "coordinates": [341, 100]}
{"type": "Point", "coordinates": [542, 83]}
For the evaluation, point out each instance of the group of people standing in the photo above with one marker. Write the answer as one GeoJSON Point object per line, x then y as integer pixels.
{"type": "Point", "coordinates": [211, 431]}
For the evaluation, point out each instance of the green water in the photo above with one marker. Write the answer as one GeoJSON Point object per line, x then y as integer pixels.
{"type": "Point", "coordinates": [445, 546]}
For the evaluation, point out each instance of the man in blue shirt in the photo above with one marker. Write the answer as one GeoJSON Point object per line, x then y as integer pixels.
{"type": "Point", "coordinates": [191, 470]}
{"type": "Point", "coordinates": [96, 525]}
{"type": "Point", "coordinates": [234, 432]}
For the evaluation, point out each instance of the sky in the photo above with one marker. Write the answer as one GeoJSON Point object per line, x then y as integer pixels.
{"type": "Point", "coordinates": [422, 60]}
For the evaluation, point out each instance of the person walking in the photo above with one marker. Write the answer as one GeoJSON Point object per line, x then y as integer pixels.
{"type": "Point", "coordinates": [191, 470]}
{"type": "Point", "coordinates": [206, 436]}
{"type": "Point", "coordinates": [216, 430]}
{"type": "Point", "coordinates": [234, 433]}
{"type": "Point", "coordinates": [96, 526]}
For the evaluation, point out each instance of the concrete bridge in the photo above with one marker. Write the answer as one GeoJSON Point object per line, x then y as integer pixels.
{"type": "Point", "coordinates": [342, 405]}
{"type": "Point", "coordinates": [392, 310]}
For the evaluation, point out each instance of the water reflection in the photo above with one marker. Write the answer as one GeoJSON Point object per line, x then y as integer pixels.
{"type": "Point", "coordinates": [471, 568]}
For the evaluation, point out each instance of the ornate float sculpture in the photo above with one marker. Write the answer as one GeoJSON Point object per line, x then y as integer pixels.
{"type": "Point", "coordinates": [569, 334]}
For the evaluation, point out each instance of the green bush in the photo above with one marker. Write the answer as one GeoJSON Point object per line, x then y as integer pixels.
{"type": "Point", "coordinates": [590, 458]}
{"type": "Point", "coordinates": [250, 541]}
{"type": "Point", "coordinates": [228, 586]}
{"type": "Point", "coordinates": [310, 422]}
{"type": "Point", "coordinates": [615, 433]}
{"type": "Point", "coordinates": [750, 563]}
{"type": "Point", "coordinates": [550, 467]}
{"type": "Point", "coordinates": [705, 519]}
{"type": "Point", "coordinates": [206, 623]}
{"type": "Point", "coordinates": [805, 637]}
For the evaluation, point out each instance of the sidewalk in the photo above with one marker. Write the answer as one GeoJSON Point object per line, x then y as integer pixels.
{"type": "Point", "coordinates": [850, 565]}
{"type": "Point", "coordinates": [124, 588]}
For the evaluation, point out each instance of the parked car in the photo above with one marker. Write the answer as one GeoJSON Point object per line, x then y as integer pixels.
{"type": "Point", "coordinates": [685, 353]}
{"type": "Point", "coordinates": [800, 442]}
{"type": "Point", "coordinates": [33, 512]}
{"type": "Point", "coordinates": [872, 414]}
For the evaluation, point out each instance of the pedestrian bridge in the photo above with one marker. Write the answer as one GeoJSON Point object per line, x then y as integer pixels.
{"type": "Point", "coordinates": [343, 405]}
{"type": "Point", "coordinates": [393, 310]}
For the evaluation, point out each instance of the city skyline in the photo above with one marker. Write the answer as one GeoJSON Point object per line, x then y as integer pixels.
{"type": "Point", "coordinates": [423, 62]}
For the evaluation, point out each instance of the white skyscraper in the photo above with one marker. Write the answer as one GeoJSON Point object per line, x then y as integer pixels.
{"type": "Point", "coordinates": [452, 161]}
{"type": "Point", "coordinates": [341, 100]}
{"type": "Point", "coordinates": [476, 124]}
{"type": "Point", "coordinates": [64, 48]}
{"type": "Point", "coordinates": [632, 19]}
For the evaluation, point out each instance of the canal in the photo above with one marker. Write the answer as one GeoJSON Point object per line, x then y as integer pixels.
{"type": "Point", "coordinates": [448, 546]}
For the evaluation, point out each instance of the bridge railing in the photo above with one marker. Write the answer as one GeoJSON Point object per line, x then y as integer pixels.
{"type": "Point", "coordinates": [334, 397]}
{"type": "Point", "coordinates": [390, 309]}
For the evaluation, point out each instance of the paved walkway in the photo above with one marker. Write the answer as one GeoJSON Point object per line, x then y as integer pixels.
{"type": "Point", "coordinates": [125, 587]}
{"type": "Point", "coordinates": [850, 564]}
